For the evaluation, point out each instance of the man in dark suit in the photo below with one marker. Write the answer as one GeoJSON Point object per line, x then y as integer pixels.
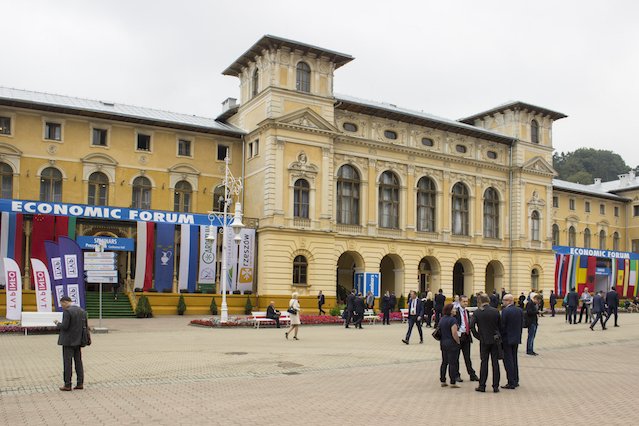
{"type": "Point", "coordinates": [512, 322]}
{"type": "Point", "coordinates": [358, 309]}
{"type": "Point", "coordinates": [573, 303]}
{"type": "Point", "coordinates": [273, 313]}
{"type": "Point", "coordinates": [350, 306]}
{"type": "Point", "coordinates": [73, 321]}
{"type": "Point", "coordinates": [553, 302]}
{"type": "Point", "coordinates": [465, 339]}
{"type": "Point", "coordinates": [522, 299]}
{"type": "Point", "coordinates": [415, 314]}
{"type": "Point", "coordinates": [386, 308]}
{"type": "Point", "coordinates": [494, 299]}
{"type": "Point", "coordinates": [320, 302]}
{"type": "Point", "coordinates": [393, 301]}
{"type": "Point", "coordinates": [612, 300]}
{"type": "Point", "coordinates": [440, 301]}
{"type": "Point", "coordinates": [485, 326]}
{"type": "Point", "coordinates": [598, 308]}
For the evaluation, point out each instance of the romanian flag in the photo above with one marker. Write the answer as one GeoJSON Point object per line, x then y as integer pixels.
{"type": "Point", "coordinates": [582, 273]}
{"type": "Point", "coordinates": [621, 269]}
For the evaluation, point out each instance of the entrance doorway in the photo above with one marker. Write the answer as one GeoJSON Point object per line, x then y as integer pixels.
{"type": "Point", "coordinates": [391, 269]}
{"type": "Point", "coordinates": [494, 276]}
{"type": "Point", "coordinates": [463, 277]}
{"type": "Point", "coordinates": [428, 273]}
{"type": "Point", "coordinates": [348, 264]}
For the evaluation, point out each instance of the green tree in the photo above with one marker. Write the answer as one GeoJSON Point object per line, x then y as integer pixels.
{"type": "Point", "coordinates": [585, 164]}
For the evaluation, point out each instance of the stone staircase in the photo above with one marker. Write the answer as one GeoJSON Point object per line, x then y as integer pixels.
{"type": "Point", "coordinates": [120, 308]}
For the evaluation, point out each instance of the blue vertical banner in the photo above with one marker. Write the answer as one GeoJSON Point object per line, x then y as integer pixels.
{"type": "Point", "coordinates": [359, 282]}
{"type": "Point", "coordinates": [164, 256]}
{"type": "Point", "coordinates": [73, 265]}
{"type": "Point", "coordinates": [56, 272]}
{"type": "Point", "coordinates": [372, 283]}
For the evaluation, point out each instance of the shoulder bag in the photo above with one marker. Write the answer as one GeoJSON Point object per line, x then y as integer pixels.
{"type": "Point", "coordinates": [86, 334]}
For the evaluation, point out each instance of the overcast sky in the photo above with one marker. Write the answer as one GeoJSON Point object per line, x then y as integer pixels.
{"type": "Point", "coordinates": [448, 58]}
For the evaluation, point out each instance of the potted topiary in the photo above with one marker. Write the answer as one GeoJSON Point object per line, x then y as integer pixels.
{"type": "Point", "coordinates": [248, 308]}
{"type": "Point", "coordinates": [181, 307]}
{"type": "Point", "coordinates": [401, 303]}
{"type": "Point", "coordinates": [143, 309]}
{"type": "Point", "coordinates": [213, 306]}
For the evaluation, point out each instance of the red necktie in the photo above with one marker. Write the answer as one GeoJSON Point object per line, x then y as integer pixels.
{"type": "Point", "coordinates": [466, 321]}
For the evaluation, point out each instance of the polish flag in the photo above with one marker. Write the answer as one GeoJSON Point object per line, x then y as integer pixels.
{"type": "Point", "coordinates": [144, 256]}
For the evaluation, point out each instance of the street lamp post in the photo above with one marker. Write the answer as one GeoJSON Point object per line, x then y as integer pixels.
{"type": "Point", "coordinates": [232, 187]}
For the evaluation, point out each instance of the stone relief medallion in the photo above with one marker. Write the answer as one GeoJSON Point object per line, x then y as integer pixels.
{"type": "Point", "coordinates": [52, 149]}
{"type": "Point", "coordinates": [143, 159]}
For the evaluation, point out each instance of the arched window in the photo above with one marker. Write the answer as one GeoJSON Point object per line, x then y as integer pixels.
{"type": "Point", "coordinates": [141, 193]}
{"type": "Point", "coordinates": [51, 185]}
{"type": "Point", "coordinates": [6, 180]}
{"type": "Point", "coordinates": [388, 200]}
{"type": "Point", "coordinates": [426, 196]}
{"type": "Point", "coordinates": [300, 267]}
{"type": "Point", "coordinates": [587, 238]}
{"type": "Point", "coordinates": [300, 198]}
{"type": "Point", "coordinates": [534, 131]}
{"type": "Point", "coordinates": [615, 241]}
{"type": "Point", "coordinates": [255, 82]}
{"type": "Point", "coordinates": [572, 236]}
{"type": "Point", "coordinates": [218, 198]}
{"type": "Point", "coordinates": [602, 240]}
{"type": "Point", "coordinates": [182, 196]}
{"type": "Point", "coordinates": [98, 189]}
{"type": "Point", "coordinates": [491, 213]}
{"type": "Point", "coordinates": [303, 77]}
{"type": "Point", "coordinates": [347, 195]}
{"type": "Point", "coordinates": [534, 279]}
{"type": "Point", "coordinates": [555, 235]}
{"type": "Point", "coordinates": [460, 209]}
{"type": "Point", "coordinates": [534, 218]}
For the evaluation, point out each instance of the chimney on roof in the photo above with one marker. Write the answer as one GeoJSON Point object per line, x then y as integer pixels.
{"type": "Point", "coordinates": [626, 179]}
{"type": "Point", "coordinates": [229, 103]}
{"type": "Point", "coordinates": [597, 181]}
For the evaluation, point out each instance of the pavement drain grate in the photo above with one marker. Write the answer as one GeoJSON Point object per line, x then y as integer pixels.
{"type": "Point", "coordinates": [236, 353]}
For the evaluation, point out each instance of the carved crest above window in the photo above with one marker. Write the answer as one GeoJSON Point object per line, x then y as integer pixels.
{"type": "Point", "coordinates": [302, 168]}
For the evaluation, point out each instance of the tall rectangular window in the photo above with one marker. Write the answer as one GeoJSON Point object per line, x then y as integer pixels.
{"type": "Point", "coordinates": [53, 131]}
{"type": "Point", "coordinates": [602, 209]}
{"type": "Point", "coordinates": [222, 151]}
{"type": "Point", "coordinates": [143, 142]}
{"type": "Point", "coordinates": [587, 206]}
{"type": "Point", "coordinates": [616, 211]}
{"type": "Point", "coordinates": [635, 246]}
{"type": "Point", "coordinates": [635, 210]}
{"type": "Point", "coordinates": [571, 204]}
{"type": "Point", "coordinates": [184, 147]}
{"type": "Point", "coordinates": [99, 137]}
{"type": "Point", "coordinates": [5, 125]}
{"type": "Point", "coordinates": [555, 201]}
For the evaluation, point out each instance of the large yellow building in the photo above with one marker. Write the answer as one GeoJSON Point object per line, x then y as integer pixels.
{"type": "Point", "coordinates": [335, 186]}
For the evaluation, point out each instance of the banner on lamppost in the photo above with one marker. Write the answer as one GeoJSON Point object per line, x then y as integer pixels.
{"type": "Point", "coordinates": [13, 280]}
{"type": "Point", "coordinates": [231, 258]}
{"type": "Point", "coordinates": [246, 261]}
{"type": "Point", "coordinates": [42, 285]}
{"type": "Point", "coordinates": [208, 249]}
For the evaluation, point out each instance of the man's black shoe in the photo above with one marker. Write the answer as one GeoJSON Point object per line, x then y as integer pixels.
{"type": "Point", "coordinates": [474, 378]}
{"type": "Point", "coordinates": [480, 389]}
{"type": "Point", "coordinates": [405, 341]}
{"type": "Point", "coordinates": [508, 387]}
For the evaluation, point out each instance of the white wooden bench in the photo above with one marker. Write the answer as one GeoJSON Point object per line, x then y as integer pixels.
{"type": "Point", "coordinates": [404, 314]}
{"type": "Point", "coordinates": [259, 317]}
{"type": "Point", "coordinates": [39, 319]}
{"type": "Point", "coordinates": [369, 315]}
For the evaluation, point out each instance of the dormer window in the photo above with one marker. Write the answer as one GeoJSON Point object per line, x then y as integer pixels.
{"type": "Point", "coordinates": [303, 77]}
{"type": "Point", "coordinates": [350, 127]}
{"type": "Point", "coordinates": [389, 134]}
{"type": "Point", "coordinates": [534, 131]}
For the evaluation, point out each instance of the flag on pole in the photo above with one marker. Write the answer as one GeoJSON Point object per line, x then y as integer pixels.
{"type": "Point", "coordinates": [42, 285]}
{"type": "Point", "coordinates": [164, 256]}
{"type": "Point", "coordinates": [11, 235]}
{"type": "Point", "coordinates": [188, 257]}
{"type": "Point", "coordinates": [13, 278]}
{"type": "Point", "coordinates": [246, 261]}
{"type": "Point", "coordinates": [144, 255]}
{"type": "Point", "coordinates": [208, 255]}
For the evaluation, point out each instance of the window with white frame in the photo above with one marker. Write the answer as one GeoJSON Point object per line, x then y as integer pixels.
{"type": "Point", "coordinates": [52, 131]}
{"type": "Point", "coordinates": [99, 136]}
{"type": "Point", "coordinates": [184, 148]}
{"type": "Point", "coordinates": [5, 125]}
{"type": "Point", "coordinates": [143, 142]}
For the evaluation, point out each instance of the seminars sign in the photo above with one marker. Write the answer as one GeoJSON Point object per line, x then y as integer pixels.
{"type": "Point", "coordinates": [105, 212]}
{"type": "Point", "coordinates": [109, 243]}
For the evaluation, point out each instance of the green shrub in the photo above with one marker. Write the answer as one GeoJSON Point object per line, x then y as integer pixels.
{"type": "Point", "coordinates": [181, 307]}
{"type": "Point", "coordinates": [143, 309]}
{"type": "Point", "coordinates": [248, 308]}
{"type": "Point", "coordinates": [401, 303]}
{"type": "Point", "coordinates": [213, 307]}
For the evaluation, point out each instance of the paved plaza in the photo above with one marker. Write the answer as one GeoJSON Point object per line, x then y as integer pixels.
{"type": "Point", "coordinates": [162, 371]}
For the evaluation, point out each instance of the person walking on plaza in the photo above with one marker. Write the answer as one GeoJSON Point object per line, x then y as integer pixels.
{"type": "Point", "coordinates": [370, 300]}
{"type": "Point", "coordinates": [294, 310]}
{"type": "Point", "coordinates": [415, 314]}
{"type": "Point", "coordinates": [449, 346]}
{"type": "Point", "coordinates": [598, 308]}
{"type": "Point", "coordinates": [522, 299]}
{"type": "Point", "coordinates": [586, 300]}
{"type": "Point", "coordinates": [532, 321]}
{"type": "Point", "coordinates": [485, 326]}
{"type": "Point", "coordinates": [350, 306]}
{"type": "Point", "coordinates": [428, 309]}
{"type": "Point", "coordinates": [494, 299]}
{"type": "Point", "coordinates": [541, 302]}
{"type": "Point", "coordinates": [74, 319]}
{"type": "Point", "coordinates": [512, 321]}
{"type": "Point", "coordinates": [393, 301]}
{"type": "Point", "coordinates": [553, 302]}
{"type": "Point", "coordinates": [358, 309]}
{"type": "Point", "coordinates": [612, 301]}
{"type": "Point", "coordinates": [438, 304]}
{"type": "Point", "coordinates": [273, 313]}
{"type": "Point", "coordinates": [385, 305]}
{"type": "Point", "coordinates": [465, 338]}
{"type": "Point", "coordinates": [320, 302]}
{"type": "Point", "coordinates": [573, 303]}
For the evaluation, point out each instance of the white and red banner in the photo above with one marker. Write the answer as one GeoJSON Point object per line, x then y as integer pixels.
{"type": "Point", "coordinates": [13, 280]}
{"type": "Point", "coordinates": [144, 255]}
{"type": "Point", "coordinates": [208, 255]}
{"type": "Point", "coordinates": [246, 260]}
{"type": "Point", "coordinates": [42, 285]}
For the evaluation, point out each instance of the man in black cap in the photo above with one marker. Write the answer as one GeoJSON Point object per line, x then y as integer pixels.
{"type": "Point", "coordinates": [73, 321]}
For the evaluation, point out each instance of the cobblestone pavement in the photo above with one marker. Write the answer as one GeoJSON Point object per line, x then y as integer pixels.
{"type": "Point", "coordinates": [162, 371]}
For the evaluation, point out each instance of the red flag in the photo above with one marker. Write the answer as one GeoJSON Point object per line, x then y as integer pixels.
{"type": "Point", "coordinates": [19, 239]}
{"type": "Point", "coordinates": [43, 229]}
{"type": "Point", "coordinates": [150, 249]}
{"type": "Point", "coordinates": [61, 226]}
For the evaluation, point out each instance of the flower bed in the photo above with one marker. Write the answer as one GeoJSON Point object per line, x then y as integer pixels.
{"type": "Point", "coordinates": [305, 319]}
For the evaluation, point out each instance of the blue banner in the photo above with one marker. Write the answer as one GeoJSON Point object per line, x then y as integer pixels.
{"type": "Point", "coordinates": [106, 212]}
{"type": "Point", "coordinates": [110, 243]}
{"type": "Point", "coordinates": [164, 256]}
{"type": "Point", "coordinates": [580, 251]}
{"type": "Point", "coordinates": [372, 283]}
{"type": "Point", "coordinates": [73, 264]}
{"type": "Point", "coordinates": [56, 272]}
